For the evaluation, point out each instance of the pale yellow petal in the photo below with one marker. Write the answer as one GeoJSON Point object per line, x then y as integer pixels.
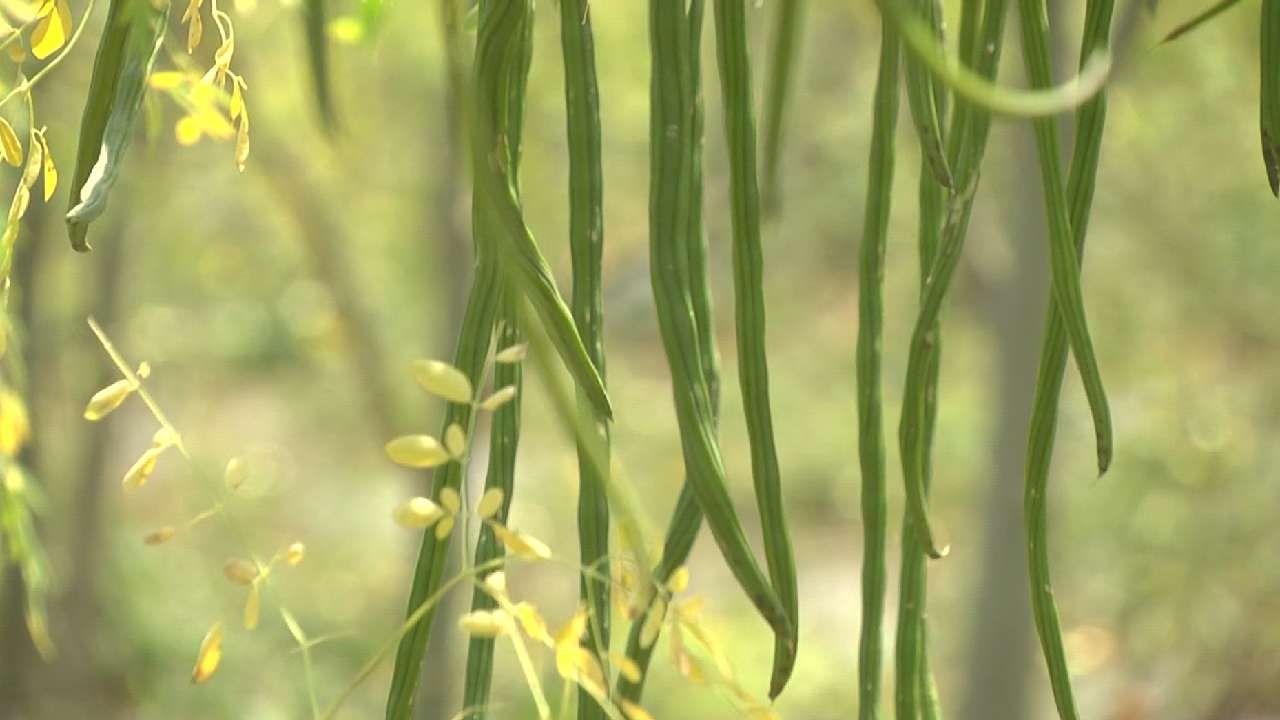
{"type": "Point", "coordinates": [490, 503]}
{"type": "Point", "coordinates": [442, 379]}
{"type": "Point", "coordinates": [417, 451]}
{"type": "Point", "coordinates": [455, 441]}
{"type": "Point", "coordinates": [418, 512]}
{"type": "Point", "coordinates": [107, 399]}
{"type": "Point", "coordinates": [499, 398]}
{"type": "Point", "coordinates": [209, 656]}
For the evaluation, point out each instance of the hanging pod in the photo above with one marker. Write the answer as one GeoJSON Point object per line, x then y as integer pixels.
{"type": "Point", "coordinates": [785, 45]}
{"type": "Point", "coordinates": [586, 244]}
{"type": "Point", "coordinates": [967, 141]}
{"type": "Point", "coordinates": [122, 66]}
{"type": "Point", "coordinates": [1089, 122]}
{"type": "Point", "coordinates": [1270, 101]}
{"type": "Point", "coordinates": [871, 268]}
{"type": "Point", "coordinates": [502, 61]}
{"type": "Point", "coordinates": [672, 147]}
{"type": "Point", "coordinates": [749, 316]}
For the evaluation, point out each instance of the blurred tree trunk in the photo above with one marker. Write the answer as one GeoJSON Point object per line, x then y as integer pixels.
{"type": "Point", "coordinates": [1001, 645]}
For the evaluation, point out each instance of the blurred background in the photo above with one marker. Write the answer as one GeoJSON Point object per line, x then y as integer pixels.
{"type": "Point", "coordinates": [279, 309]}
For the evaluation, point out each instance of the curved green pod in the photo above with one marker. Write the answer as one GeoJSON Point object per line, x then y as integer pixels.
{"type": "Point", "coordinates": [1062, 251]}
{"type": "Point", "coordinates": [586, 241]}
{"type": "Point", "coordinates": [749, 315]}
{"type": "Point", "coordinates": [672, 147]}
{"type": "Point", "coordinates": [1090, 120]}
{"type": "Point", "coordinates": [871, 268]}
{"type": "Point", "coordinates": [127, 51]}
{"type": "Point", "coordinates": [686, 518]}
{"type": "Point", "coordinates": [967, 141]}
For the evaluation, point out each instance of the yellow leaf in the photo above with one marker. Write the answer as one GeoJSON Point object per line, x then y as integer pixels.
{"type": "Point", "coordinates": [418, 512]}
{"type": "Point", "coordinates": [295, 554]}
{"type": "Point", "coordinates": [15, 423]}
{"type": "Point", "coordinates": [653, 623]}
{"type": "Point", "coordinates": [626, 667]}
{"type": "Point", "coordinates": [490, 503]}
{"type": "Point", "coordinates": [252, 607]}
{"type": "Point", "coordinates": [499, 398]}
{"type": "Point", "coordinates": [237, 101]}
{"type": "Point", "coordinates": [209, 656]}
{"type": "Point", "coordinates": [9, 145]}
{"type": "Point", "coordinates": [444, 527]}
{"type": "Point", "coordinates": [51, 29]}
{"type": "Point", "coordinates": [50, 170]}
{"type": "Point", "coordinates": [534, 626]}
{"type": "Point", "coordinates": [194, 32]}
{"type": "Point", "coordinates": [188, 130]}
{"type": "Point", "coordinates": [167, 79]}
{"type": "Point", "coordinates": [519, 544]}
{"type": "Point", "coordinates": [240, 571]}
{"type": "Point", "coordinates": [160, 535]}
{"type": "Point", "coordinates": [450, 499]}
{"type": "Point", "coordinates": [455, 441]}
{"type": "Point", "coordinates": [242, 142]}
{"type": "Point", "coordinates": [21, 200]}
{"type": "Point", "coordinates": [679, 581]}
{"type": "Point", "coordinates": [496, 583]}
{"type": "Point", "coordinates": [35, 161]}
{"type": "Point", "coordinates": [141, 470]}
{"type": "Point", "coordinates": [417, 451]}
{"type": "Point", "coordinates": [634, 711]}
{"type": "Point", "coordinates": [571, 632]}
{"type": "Point", "coordinates": [442, 379]}
{"type": "Point", "coordinates": [513, 354]}
{"type": "Point", "coordinates": [484, 623]}
{"type": "Point", "coordinates": [107, 399]}
{"type": "Point", "coordinates": [235, 474]}
{"type": "Point", "coordinates": [346, 30]}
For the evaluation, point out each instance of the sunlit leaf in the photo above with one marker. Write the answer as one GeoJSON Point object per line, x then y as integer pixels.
{"type": "Point", "coordinates": [209, 656]}
{"type": "Point", "coordinates": [52, 29]}
{"type": "Point", "coordinates": [10, 147]}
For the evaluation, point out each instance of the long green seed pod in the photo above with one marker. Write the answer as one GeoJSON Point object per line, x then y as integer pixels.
{"type": "Point", "coordinates": [1062, 252]}
{"type": "Point", "coordinates": [1270, 105]}
{"type": "Point", "coordinates": [914, 677]}
{"type": "Point", "coordinates": [504, 439]}
{"type": "Point", "coordinates": [586, 240]}
{"type": "Point", "coordinates": [749, 315]}
{"type": "Point", "coordinates": [671, 148]}
{"type": "Point", "coordinates": [126, 53]}
{"type": "Point", "coordinates": [314, 26]}
{"type": "Point", "coordinates": [686, 518]}
{"type": "Point", "coordinates": [870, 411]}
{"type": "Point", "coordinates": [1089, 123]}
{"type": "Point", "coordinates": [502, 61]}
{"type": "Point", "coordinates": [967, 142]}
{"type": "Point", "coordinates": [787, 26]}
{"type": "Point", "coordinates": [921, 96]}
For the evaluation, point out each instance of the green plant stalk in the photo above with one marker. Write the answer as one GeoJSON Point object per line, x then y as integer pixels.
{"type": "Point", "coordinates": [967, 141]}
{"type": "Point", "coordinates": [686, 518]}
{"type": "Point", "coordinates": [1063, 257]}
{"type": "Point", "coordinates": [788, 23]}
{"type": "Point", "coordinates": [925, 113]}
{"type": "Point", "coordinates": [315, 27]}
{"type": "Point", "coordinates": [1204, 17]}
{"type": "Point", "coordinates": [502, 61]}
{"type": "Point", "coordinates": [1270, 92]}
{"type": "Point", "coordinates": [586, 241]}
{"type": "Point", "coordinates": [749, 315]}
{"type": "Point", "coordinates": [504, 440]}
{"type": "Point", "coordinates": [870, 336]}
{"type": "Point", "coordinates": [1090, 120]}
{"type": "Point", "coordinates": [672, 147]}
